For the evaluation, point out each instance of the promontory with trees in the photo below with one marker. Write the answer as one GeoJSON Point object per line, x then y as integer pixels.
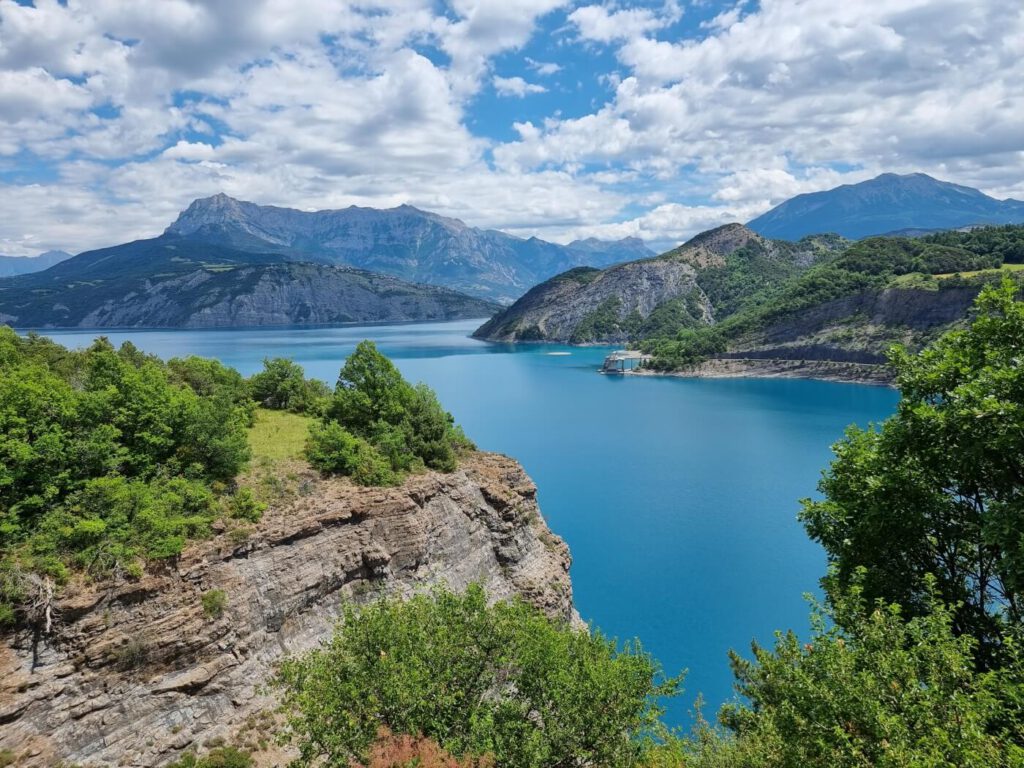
{"type": "Point", "coordinates": [115, 463]}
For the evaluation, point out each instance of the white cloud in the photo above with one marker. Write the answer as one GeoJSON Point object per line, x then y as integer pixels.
{"type": "Point", "coordinates": [765, 104]}
{"type": "Point", "coordinates": [543, 68]}
{"type": "Point", "coordinates": [515, 86]}
{"type": "Point", "coordinates": [134, 109]}
{"type": "Point", "coordinates": [603, 24]}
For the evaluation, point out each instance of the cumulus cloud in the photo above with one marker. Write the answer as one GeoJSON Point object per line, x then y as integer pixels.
{"type": "Point", "coordinates": [515, 86]}
{"type": "Point", "coordinates": [113, 116]}
{"type": "Point", "coordinates": [604, 24]}
{"type": "Point", "coordinates": [776, 101]}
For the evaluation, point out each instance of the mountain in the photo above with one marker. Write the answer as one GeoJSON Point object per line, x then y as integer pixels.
{"type": "Point", "coordinates": [839, 318]}
{"type": "Point", "coordinates": [685, 287]}
{"type": "Point", "coordinates": [887, 203]}
{"type": "Point", "coordinates": [171, 282]}
{"type": "Point", "coordinates": [23, 265]}
{"type": "Point", "coordinates": [731, 302]}
{"type": "Point", "coordinates": [406, 242]}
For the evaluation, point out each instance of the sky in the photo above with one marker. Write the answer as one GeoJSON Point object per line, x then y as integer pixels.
{"type": "Point", "coordinates": [538, 117]}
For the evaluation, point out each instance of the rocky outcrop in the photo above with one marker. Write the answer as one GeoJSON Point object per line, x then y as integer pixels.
{"type": "Point", "coordinates": [623, 303]}
{"type": "Point", "coordinates": [135, 672]}
{"type": "Point", "coordinates": [558, 310]}
{"type": "Point", "coordinates": [859, 329]}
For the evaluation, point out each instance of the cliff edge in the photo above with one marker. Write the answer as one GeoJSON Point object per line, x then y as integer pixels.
{"type": "Point", "coordinates": [136, 672]}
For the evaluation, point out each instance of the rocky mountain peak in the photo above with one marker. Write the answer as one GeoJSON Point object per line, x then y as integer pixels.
{"type": "Point", "coordinates": [216, 209]}
{"type": "Point", "coordinates": [711, 247]}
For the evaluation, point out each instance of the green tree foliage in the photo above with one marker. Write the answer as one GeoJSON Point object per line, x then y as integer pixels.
{"type": "Point", "coordinates": [107, 457]}
{"type": "Point", "coordinates": [377, 426]}
{"type": "Point", "coordinates": [282, 385]}
{"type": "Point", "coordinates": [938, 490]}
{"type": "Point", "coordinates": [499, 680]}
{"type": "Point", "coordinates": [870, 688]}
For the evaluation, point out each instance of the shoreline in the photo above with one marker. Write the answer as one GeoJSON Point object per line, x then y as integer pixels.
{"type": "Point", "coordinates": [761, 368]}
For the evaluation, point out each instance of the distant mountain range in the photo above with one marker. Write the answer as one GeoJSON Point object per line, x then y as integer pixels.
{"type": "Point", "coordinates": [406, 242]}
{"type": "Point", "coordinates": [23, 265]}
{"type": "Point", "coordinates": [886, 204]}
{"type": "Point", "coordinates": [225, 262]}
{"type": "Point", "coordinates": [172, 282]}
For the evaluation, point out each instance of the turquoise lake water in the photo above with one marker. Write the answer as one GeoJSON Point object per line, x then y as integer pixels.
{"type": "Point", "coordinates": [678, 497]}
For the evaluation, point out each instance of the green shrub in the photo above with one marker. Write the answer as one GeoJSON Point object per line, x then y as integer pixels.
{"type": "Point", "coordinates": [500, 680]}
{"type": "Point", "coordinates": [214, 602]}
{"type": "Point", "coordinates": [378, 426]}
{"type": "Point", "coordinates": [282, 385]}
{"type": "Point", "coordinates": [243, 505]}
{"type": "Point", "coordinates": [334, 450]}
{"type": "Point", "coordinates": [221, 757]}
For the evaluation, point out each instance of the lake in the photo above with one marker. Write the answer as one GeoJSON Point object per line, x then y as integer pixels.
{"type": "Point", "coordinates": [678, 497]}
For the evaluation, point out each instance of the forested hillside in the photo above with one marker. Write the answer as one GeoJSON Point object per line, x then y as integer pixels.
{"type": "Point", "coordinates": [877, 292]}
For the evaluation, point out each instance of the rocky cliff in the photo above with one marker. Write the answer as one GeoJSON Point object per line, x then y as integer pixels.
{"type": "Point", "coordinates": [133, 673]}
{"type": "Point", "coordinates": [640, 298]}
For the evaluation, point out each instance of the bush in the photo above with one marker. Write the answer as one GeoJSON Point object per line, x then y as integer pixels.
{"type": "Point", "coordinates": [378, 426]}
{"type": "Point", "coordinates": [334, 450]}
{"type": "Point", "coordinates": [282, 385]}
{"type": "Point", "coordinates": [499, 680]}
{"type": "Point", "coordinates": [214, 602]}
{"type": "Point", "coordinates": [244, 505]}
{"type": "Point", "coordinates": [221, 757]}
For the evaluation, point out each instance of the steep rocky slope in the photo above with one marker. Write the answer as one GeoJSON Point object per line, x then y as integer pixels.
{"type": "Point", "coordinates": [173, 283]}
{"type": "Point", "coordinates": [406, 242]}
{"type": "Point", "coordinates": [636, 299]}
{"type": "Point", "coordinates": [133, 673]}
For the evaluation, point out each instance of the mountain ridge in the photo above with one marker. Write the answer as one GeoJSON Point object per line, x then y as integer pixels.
{"type": "Point", "coordinates": [405, 241]}
{"type": "Point", "coordinates": [625, 302]}
{"type": "Point", "coordinates": [887, 203]}
{"type": "Point", "coordinates": [11, 266]}
{"type": "Point", "coordinates": [168, 282]}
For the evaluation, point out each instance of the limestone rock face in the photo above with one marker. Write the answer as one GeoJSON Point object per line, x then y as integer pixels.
{"type": "Point", "coordinates": [565, 308]}
{"type": "Point", "coordinates": [135, 672]}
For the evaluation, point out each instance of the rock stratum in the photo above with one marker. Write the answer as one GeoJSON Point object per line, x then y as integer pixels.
{"type": "Point", "coordinates": [134, 673]}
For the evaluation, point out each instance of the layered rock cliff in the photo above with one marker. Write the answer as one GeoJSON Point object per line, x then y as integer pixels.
{"type": "Point", "coordinates": [133, 673]}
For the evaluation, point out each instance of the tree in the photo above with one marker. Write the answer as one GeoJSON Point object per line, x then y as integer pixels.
{"type": "Point", "coordinates": [501, 680]}
{"type": "Point", "coordinates": [374, 407]}
{"type": "Point", "coordinates": [282, 385]}
{"type": "Point", "coordinates": [938, 490]}
{"type": "Point", "coordinates": [870, 688]}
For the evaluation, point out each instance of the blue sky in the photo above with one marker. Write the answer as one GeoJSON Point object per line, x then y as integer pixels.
{"type": "Point", "coordinates": [549, 117]}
